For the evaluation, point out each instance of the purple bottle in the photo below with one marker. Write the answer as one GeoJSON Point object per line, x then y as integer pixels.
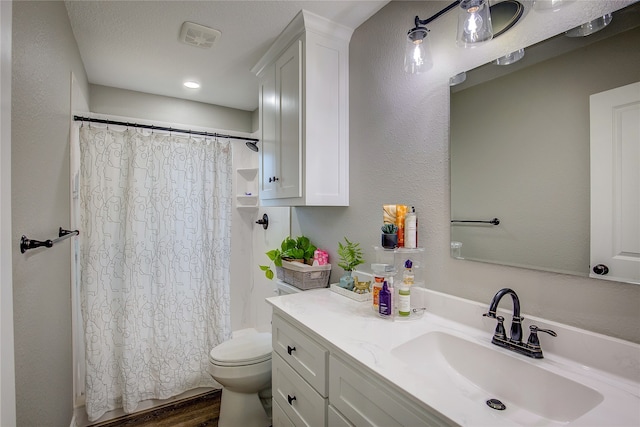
{"type": "Point", "coordinates": [385, 305]}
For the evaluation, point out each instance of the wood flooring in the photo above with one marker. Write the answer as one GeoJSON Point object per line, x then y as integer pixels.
{"type": "Point", "coordinates": [202, 410]}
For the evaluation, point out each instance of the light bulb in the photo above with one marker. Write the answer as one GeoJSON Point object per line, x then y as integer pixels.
{"type": "Point", "coordinates": [416, 56]}
{"type": "Point", "coordinates": [474, 23]}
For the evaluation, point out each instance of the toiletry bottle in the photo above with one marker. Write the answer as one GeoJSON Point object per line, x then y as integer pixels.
{"type": "Point", "coordinates": [411, 229]}
{"type": "Point", "coordinates": [401, 212]}
{"type": "Point", "coordinates": [375, 291]}
{"type": "Point", "coordinates": [404, 293]}
{"type": "Point", "coordinates": [386, 304]}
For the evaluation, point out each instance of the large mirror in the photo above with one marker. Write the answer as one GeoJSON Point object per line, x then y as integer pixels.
{"type": "Point", "coordinates": [520, 148]}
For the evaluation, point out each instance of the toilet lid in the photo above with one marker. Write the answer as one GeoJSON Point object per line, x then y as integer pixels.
{"type": "Point", "coordinates": [243, 350]}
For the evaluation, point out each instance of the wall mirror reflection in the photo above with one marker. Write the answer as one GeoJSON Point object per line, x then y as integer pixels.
{"type": "Point", "coordinates": [520, 152]}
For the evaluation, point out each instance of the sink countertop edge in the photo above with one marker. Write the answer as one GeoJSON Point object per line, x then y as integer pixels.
{"type": "Point", "coordinates": [354, 330]}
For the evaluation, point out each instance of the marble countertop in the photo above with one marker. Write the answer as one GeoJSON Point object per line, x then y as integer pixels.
{"type": "Point", "coordinates": [353, 329]}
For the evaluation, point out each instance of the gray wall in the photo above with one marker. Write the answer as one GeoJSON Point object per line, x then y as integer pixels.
{"type": "Point", "coordinates": [127, 103]}
{"type": "Point", "coordinates": [44, 55]}
{"type": "Point", "coordinates": [399, 127]}
{"type": "Point", "coordinates": [520, 151]}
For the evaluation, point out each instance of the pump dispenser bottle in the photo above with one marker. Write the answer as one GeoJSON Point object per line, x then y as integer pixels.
{"type": "Point", "coordinates": [404, 293]}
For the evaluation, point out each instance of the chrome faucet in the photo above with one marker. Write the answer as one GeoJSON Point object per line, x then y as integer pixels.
{"type": "Point", "coordinates": [514, 341]}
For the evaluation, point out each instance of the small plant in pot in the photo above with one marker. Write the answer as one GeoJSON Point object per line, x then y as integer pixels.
{"type": "Point", "coordinates": [299, 249]}
{"type": "Point", "coordinates": [351, 256]}
{"type": "Point", "coordinates": [389, 236]}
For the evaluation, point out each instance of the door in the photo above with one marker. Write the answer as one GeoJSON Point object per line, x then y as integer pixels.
{"type": "Point", "coordinates": [615, 184]}
{"type": "Point", "coordinates": [268, 123]}
{"type": "Point", "coordinates": [289, 130]}
{"type": "Point", "coordinates": [7, 370]}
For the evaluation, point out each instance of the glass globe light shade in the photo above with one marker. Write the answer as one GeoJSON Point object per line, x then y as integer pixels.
{"type": "Point", "coordinates": [474, 23]}
{"type": "Point", "coordinates": [417, 58]}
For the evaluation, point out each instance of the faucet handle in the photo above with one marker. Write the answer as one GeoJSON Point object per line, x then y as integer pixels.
{"type": "Point", "coordinates": [533, 341]}
{"type": "Point", "coordinates": [500, 332]}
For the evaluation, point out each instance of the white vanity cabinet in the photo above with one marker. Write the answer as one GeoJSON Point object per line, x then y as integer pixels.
{"type": "Point", "coordinates": [304, 113]}
{"type": "Point", "coordinates": [315, 386]}
{"type": "Point", "coordinates": [299, 376]}
{"type": "Point", "coordinates": [365, 401]}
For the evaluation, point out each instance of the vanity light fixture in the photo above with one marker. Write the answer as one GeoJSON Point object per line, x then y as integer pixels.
{"type": "Point", "coordinates": [417, 58]}
{"type": "Point", "coordinates": [474, 26]}
{"type": "Point", "coordinates": [474, 23]}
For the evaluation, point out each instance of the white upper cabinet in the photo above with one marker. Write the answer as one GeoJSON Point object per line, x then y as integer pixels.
{"type": "Point", "coordinates": [304, 115]}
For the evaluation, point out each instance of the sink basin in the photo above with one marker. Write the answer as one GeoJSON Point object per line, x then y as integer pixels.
{"type": "Point", "coordinates": [482, 373]}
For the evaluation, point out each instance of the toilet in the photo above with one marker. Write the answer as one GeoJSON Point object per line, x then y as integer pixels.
{"type": "Point", "coordinates": [242, 365]}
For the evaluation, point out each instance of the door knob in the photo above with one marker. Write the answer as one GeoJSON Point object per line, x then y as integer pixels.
{"type": "Point", "coordinates": [601, 269]}
{"type": "Point", "coordinates": [264, 222]}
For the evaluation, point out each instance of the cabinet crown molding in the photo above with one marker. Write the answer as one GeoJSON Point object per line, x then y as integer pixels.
{"type": "Point", "coordinates": [303, 21]}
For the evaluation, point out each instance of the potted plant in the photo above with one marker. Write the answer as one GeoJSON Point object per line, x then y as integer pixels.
{"type": "Point", "coordinates": [351, 256]}
{"type": "Point", "coordinates": [299, 249]}
{"type": "Point", "coordinates": [389, 236]}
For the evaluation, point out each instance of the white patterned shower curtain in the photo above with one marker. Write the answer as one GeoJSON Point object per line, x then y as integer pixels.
{"type": "Point", "coordinates": [155, 216]}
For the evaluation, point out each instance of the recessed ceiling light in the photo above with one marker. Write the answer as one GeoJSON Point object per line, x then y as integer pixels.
{"type": "Point", "coordinates": [192, 85]}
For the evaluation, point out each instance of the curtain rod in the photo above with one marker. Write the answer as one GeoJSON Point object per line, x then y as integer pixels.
{"type": "Point", "coordinates": [138, 125]}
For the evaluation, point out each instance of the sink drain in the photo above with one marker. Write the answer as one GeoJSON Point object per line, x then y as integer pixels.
{"type": "Point", "coordinates": [496, 404]}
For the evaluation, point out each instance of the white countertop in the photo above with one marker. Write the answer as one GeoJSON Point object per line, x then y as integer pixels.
{"type": "Point", "coordinates": [353, 329]}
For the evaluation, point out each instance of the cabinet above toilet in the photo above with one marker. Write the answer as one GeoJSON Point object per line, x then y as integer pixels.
{"type": "Point", "coordinates": [304, 115]}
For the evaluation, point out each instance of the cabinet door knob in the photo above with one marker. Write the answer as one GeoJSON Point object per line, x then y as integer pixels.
{"type": "Point", "coordinates": [601, 269]}
{"type": "Point", "coordinates": [290, 350]}
{"type": "Point", "coordinates": [290, 399]}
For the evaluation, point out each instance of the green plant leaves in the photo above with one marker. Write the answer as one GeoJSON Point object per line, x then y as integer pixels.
{"type": "Point", "coordinates": [298, 248]}
{"type": "Point", "coordinates": [350, 254]}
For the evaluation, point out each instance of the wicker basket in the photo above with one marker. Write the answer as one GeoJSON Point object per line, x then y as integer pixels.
{"type": "Point", "coordinates": [304, 276]}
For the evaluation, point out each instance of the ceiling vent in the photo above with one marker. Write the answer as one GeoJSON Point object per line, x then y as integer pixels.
{"type": "Point", "coordinates": [198, 35]}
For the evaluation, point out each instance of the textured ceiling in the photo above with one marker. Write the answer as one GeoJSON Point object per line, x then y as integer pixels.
{"type": "Point", "coordinates": [134, 44]}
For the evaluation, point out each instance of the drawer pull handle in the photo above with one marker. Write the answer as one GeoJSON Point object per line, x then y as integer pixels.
{"type": "Point", "coordinates": [290, 350]}
{"type": "Point", "coordinates": [290, 399]}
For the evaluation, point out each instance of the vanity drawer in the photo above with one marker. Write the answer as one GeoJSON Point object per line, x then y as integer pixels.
{"type": "Point", "coordinates": [297, 399]}
{"type": "Point", "coordinates": [278, 417]}
{"type": "Point", "coordinates": [335, 418]}
{"type": "Point", "coordinates": [366, 402]}
{"type": "Point", "coordinates": [308, 358]}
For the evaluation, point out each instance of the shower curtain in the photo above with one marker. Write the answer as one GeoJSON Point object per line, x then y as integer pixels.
{"type": "Point", "coordinates": [155, 214]}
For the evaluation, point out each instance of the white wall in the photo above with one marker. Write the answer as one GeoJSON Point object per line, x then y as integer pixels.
{"type": "Point", "coordinates": [44, 56]}
{"type": "Point", "coordinates": [399, 130]}
{"type": "Point", "coordinates": [127, 103]}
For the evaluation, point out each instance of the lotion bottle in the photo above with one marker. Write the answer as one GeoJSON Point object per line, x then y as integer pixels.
{"type": "Point", "coordinates": [385, 302]}
{"type": "Point", "coordinates": [404, 293]}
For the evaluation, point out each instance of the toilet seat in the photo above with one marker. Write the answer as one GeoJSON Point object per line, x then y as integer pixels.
{"type": "Point", "coordinates": [243, 350]}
